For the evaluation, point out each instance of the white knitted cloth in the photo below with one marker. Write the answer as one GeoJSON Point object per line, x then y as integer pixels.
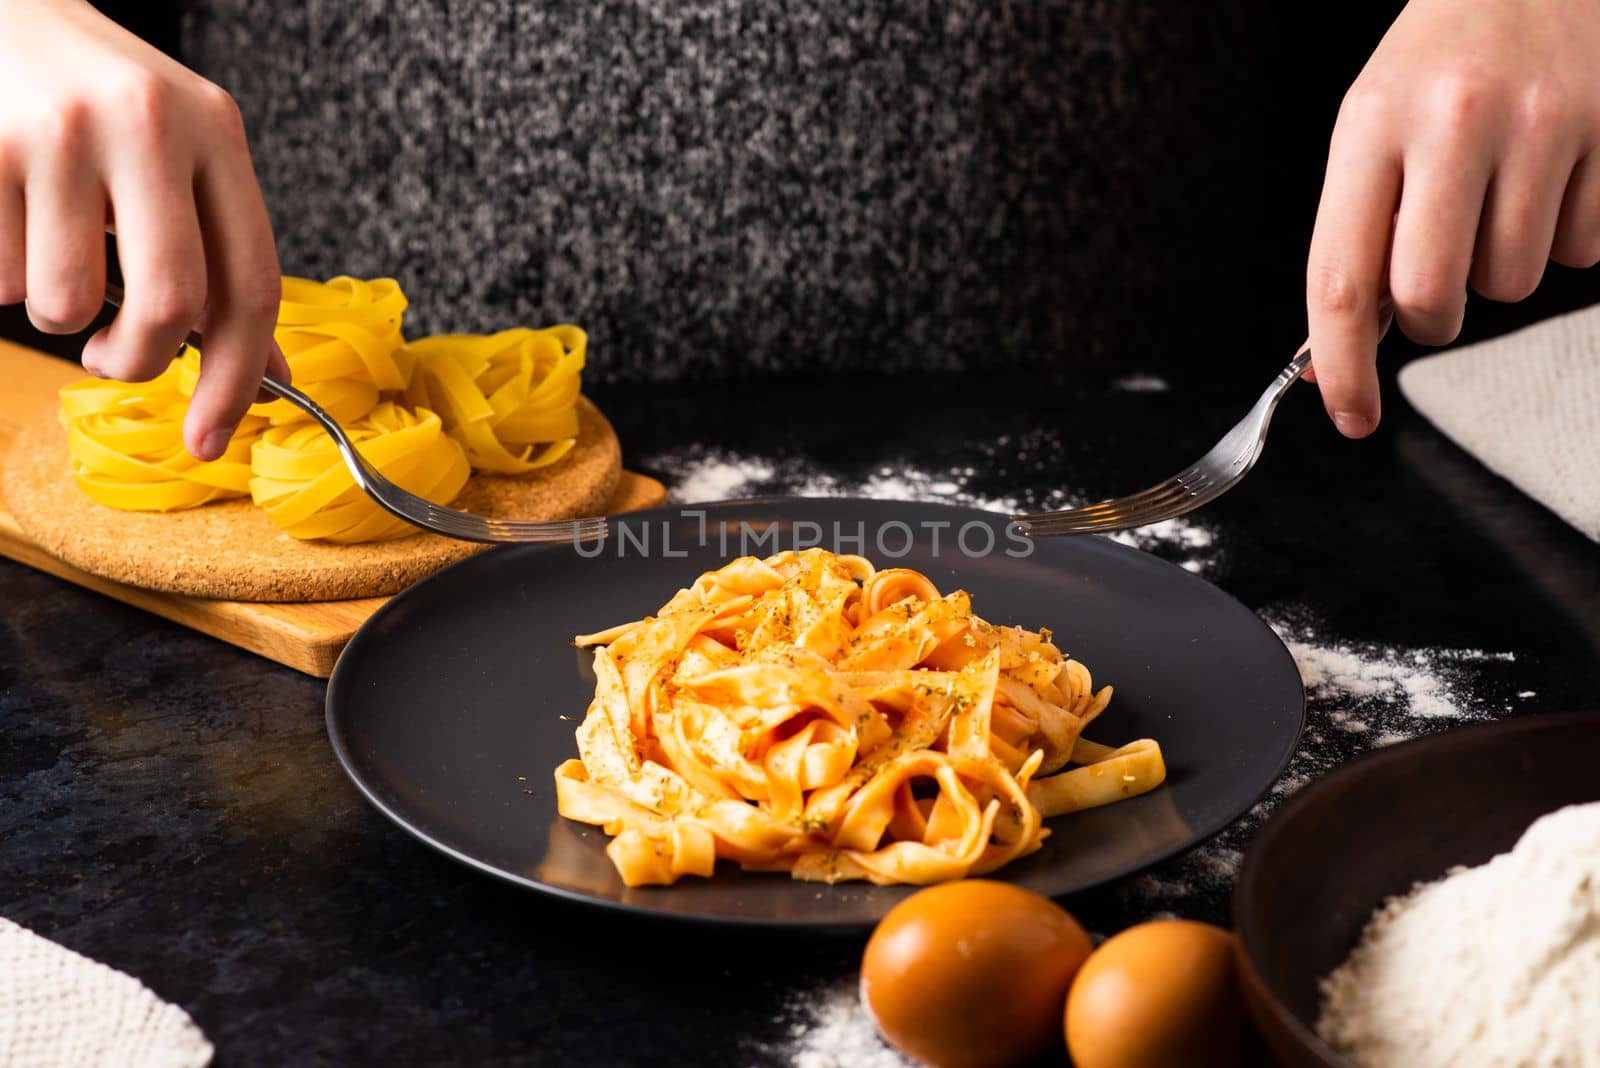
{"type": "Point", "coordinates": [61, 1010]}
{"type": "Point", "coordinates": [1528, 406]}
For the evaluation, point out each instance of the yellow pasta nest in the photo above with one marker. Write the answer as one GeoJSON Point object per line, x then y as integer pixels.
{"type": "Point", "coordinates": [126, 445]}
{"type": "Point", "coordinates": [504, 402]}
{"type": "Point", "coordinates": [343, 345]}
{"type": "Point", "coordinates": [504, 395]}
{"type": "Point", "coordinates": [302, 482]}
{"type": "Point", "coordinates": [808, 713]}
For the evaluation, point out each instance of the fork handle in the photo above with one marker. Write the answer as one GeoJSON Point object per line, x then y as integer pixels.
{"type": "Point", "coordinates": [1297, 367]}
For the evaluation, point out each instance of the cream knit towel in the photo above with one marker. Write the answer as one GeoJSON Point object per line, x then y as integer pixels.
{"type": "Point", "coordinates": [1528, 406]}
{"type": "Point", "coordinates": [60, 1010]}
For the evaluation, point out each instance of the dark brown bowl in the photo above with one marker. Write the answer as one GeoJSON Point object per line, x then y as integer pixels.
{"type": "Point", "coordinates": [1376, 827]}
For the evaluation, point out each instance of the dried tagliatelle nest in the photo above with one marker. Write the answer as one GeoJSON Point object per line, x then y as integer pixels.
{"type": "Point", "coordinates": [426, 413]}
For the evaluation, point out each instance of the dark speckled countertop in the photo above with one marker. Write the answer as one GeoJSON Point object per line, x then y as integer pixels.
{"type": "Point", "coordinates": [169, 805]}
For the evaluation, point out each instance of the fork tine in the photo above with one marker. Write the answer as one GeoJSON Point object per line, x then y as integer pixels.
{"type": "Point", "coordinates": [467, 526]}
{"type": "Point", "coordinates": [1128, 512]}
{"type": "Point", "coordinates": [484, 529]}
{"type": "Point", "coordinates": [1112, 504]}
{"type": "Point", "coordinates": [1120, 521]}
{"type": "Point", "coordinates": [1072, 523]}
{"type": "Point", "coordinates": [1173, 489]}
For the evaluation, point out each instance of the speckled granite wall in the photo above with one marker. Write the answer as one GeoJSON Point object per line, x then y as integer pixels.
{"type": "Point", "coordinates": [752, 185]}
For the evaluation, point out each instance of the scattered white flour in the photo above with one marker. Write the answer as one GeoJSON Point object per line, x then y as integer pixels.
{"type": "Point", "coordinates": [1140, 384]}
{"type": "Point", "coordinates": [1426, 683]}
{"type": "Point", "coordinates": [718, 477]}
{"type": "Point", "coordinates": [696, 475]}
{"type": "Point", "coordinates": [1359, 696]}
{"type": "Point", "coordinates": [830, 1029]}
{"type": "Point", "coordinates": [1182, 537]}
{"type": "Point", "coordinates": [1495, 965]}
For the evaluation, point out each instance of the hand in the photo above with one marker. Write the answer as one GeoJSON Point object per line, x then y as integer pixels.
{"type": "Point", "coordinates": [1468, 151]}
{"type": "Point", "coordinates": [100, 131]}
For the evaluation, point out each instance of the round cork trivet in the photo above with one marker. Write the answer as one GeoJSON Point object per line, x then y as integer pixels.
{"type": "Point", "coordinates": [231, 550]}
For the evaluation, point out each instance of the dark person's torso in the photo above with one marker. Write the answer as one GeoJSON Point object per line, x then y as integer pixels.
{"type": "Point", "coordinates": [759, 185]}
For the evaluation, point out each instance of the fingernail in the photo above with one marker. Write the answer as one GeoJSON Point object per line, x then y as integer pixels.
{"type": "Point", "coordinates": [216, 443]}
{"type": "Point", "coordinates": [1352, 424]}
{"type": "Point", "coordinates": [92, 369]}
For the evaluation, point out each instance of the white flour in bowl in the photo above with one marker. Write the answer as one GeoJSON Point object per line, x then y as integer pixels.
{"type": "Point", "coordinates": [1494, 965]}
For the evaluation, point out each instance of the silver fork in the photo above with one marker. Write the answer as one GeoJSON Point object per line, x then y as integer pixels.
{"type": "Point", "coordinates": [418, 511]}
{"type": "Point", "coordinates": [1214, 474]}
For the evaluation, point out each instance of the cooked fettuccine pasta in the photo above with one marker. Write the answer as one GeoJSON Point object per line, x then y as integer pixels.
{"type": "Point", "coordinates": [809, 713]}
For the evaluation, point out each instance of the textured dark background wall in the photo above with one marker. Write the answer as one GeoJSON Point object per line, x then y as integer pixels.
{"type": "Point", "coordinates": [738, 187]}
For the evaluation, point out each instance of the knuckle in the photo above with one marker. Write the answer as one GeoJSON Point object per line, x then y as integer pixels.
{"type": "Point", "coordinates": [260, 295]}
{"type": "Point", "coordinates": [1331, 290]}
{"type": "Point", "coordinates": [1429, 328]}
{"type": "Point", "coordinates": [1507, 280]}
{"type": "Point", "coordinates": [1423, 293]}
{"type": "Point", "coordinates": [175, 303]}
{"type": "Point", "coordinates": [65, 129]}
{"type": "Point", "coordinates": [1363, 104]}
{"type": "Point", "coordinates": [64, 310]}
{"type": "Point", "coordinates": [1431, 331]}
{"type": "Point", "coordinates": [144, 103]}
{"type": "Point", "coordinates": [135, 366]}
{"type": "Point", "coordinates": [1543, 107]}
{"type": "Point", "coordinates": [1567, 251]}
{"type": "Point", "coordinates": [1462, 100]}
{"type": "Point", "coordinates": [220, 108]}
{"type": "Point", "coordinates": [251, 298]}
{"type": "Point", "coordinates": [77, 304]}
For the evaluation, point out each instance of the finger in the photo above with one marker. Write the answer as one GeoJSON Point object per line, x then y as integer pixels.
{"type": "Point", "coordinates": [1577, 237]}
{"type": "Point", "coordinates": [1433, 241]}
{"type": "Point", "coordinates": [277, 367]}
{"type": "Point", "coordinates": [242, 266]}
{"type": "Point", "coordinates": [163, 269]}
{"type": "Point", "coordinates": [1385, 320]}
{"type": "Point", "coordinates": [1345, 271]}
{"type": "Point", "coordinates": [13, 261]}
{"type": "Point", "coordinates": [1520, 213]}
{"type": "Point", "coordinates": [64, 232]}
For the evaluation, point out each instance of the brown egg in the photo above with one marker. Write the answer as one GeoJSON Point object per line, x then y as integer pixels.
{"type": "Point", "coordinates": [972, 974]}
{"type": "Point", "coordinates": [1159, 995]}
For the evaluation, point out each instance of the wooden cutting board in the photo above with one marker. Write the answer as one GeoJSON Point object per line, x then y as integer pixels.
{"type": "Point", "coordinates": [307, 637]}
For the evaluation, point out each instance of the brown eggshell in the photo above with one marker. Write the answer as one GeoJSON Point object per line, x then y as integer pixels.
{"type": "Point", "coordinates": [1160, 995]}
{"type": "Point", "coordinates": [972, 974]}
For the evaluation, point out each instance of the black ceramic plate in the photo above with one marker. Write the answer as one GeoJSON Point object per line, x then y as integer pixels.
{"type": "Point", "coordinates": [453, 705]}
